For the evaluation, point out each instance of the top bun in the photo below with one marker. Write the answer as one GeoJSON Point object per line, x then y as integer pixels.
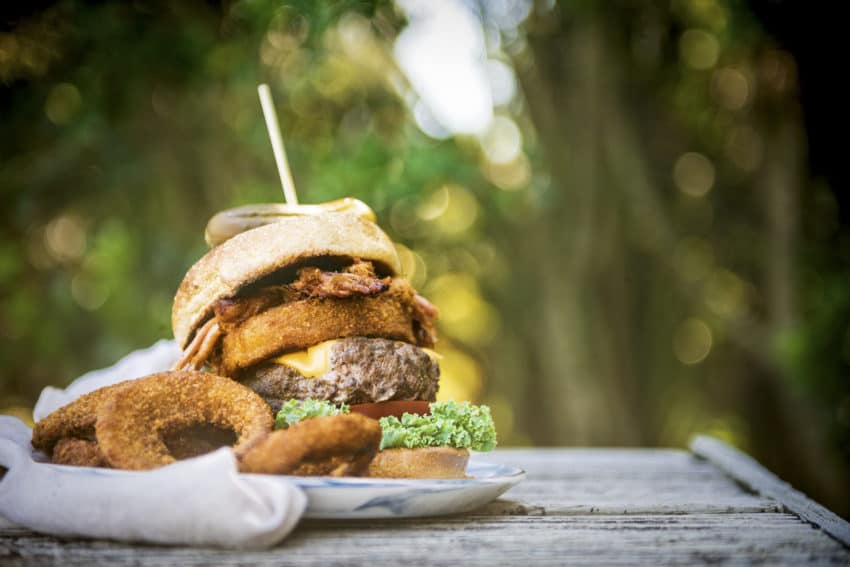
{"type": "Point", "coordinates": [259, 252]}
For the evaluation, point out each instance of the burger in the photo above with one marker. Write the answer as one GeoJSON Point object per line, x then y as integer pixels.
{"type": "Point", "coordinates": [311, 312]}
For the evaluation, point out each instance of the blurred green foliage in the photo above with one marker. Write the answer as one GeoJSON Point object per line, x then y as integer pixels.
{"type": "Point", "coordinates": [651, 261]}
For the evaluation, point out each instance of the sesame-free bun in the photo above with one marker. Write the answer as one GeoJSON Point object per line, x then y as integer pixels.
{"type": "Point", "coordinates": [259, 252]}
{"type": "Point", "coordinates": [424, 462]}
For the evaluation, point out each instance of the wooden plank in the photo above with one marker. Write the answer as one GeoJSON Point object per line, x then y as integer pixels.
{"type": "Point", "coordinates": [604, 496]}
{"type": "Point", "coordinates": [584, 540]}
{"type": "Point", "coordinates": [584, 506]}
{"type": "Point", "coordinates": [747, 471]}
{"type": "Point", "coordinates": [583, 463]}
{"type": "Point", "coordinates": [624, 481]}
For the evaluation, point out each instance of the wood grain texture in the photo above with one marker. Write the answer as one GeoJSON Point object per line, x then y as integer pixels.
{"type": "Point", "coordinates": [475, 540]}
{"type": "Point", "coordinates": [625, 481]}
{"type": "Point", "coordinates": [750, 473]}
{"type": "Point", "coordinates": [578, 506]}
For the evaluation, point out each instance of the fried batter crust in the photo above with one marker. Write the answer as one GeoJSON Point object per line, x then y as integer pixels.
{"type": "Point", "coordinates": [391, 314]}
{"type": "Point", "coordinates": [132, 424]}
{"type": "Point", "coordinates": [78, 452]}
{"type": "Point", "coordinates": [76, 419]}
{"type": "Point", "coordinates": [335, 445]}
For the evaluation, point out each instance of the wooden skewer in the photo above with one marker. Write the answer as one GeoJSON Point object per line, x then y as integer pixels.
{"type": "Point", "coordinates": [277, 144]}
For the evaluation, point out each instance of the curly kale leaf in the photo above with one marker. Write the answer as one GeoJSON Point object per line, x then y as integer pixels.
{"type": "Point", "coordinates": [294, 411]}
{"type": "Point", "coordinates": [450, 424]}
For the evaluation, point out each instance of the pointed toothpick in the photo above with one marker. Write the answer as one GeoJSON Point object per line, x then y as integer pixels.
{"type": "Point", "coordinates": [277, 144]}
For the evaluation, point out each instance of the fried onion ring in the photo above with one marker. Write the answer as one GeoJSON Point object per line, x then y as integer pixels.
{"type": "Point", "coordinates": [75, 420]}
{"type": "Point", "coordinates": [334, 445]}
{"type": "Point", "coordinates": [132, 426]}
{"type": "Point", "coordinates": [78, 452]}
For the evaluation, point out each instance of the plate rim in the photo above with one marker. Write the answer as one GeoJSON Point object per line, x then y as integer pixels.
{"type": "Point", "coordinates": [512, 475]}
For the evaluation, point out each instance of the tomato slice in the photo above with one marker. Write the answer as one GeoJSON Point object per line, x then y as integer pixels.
{"type": "Point", "coordinates": [395, 407]}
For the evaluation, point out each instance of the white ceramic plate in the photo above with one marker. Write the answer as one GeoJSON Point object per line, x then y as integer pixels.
{"type": "Point", "coordinates": [359, 498]}
{"type": "Point", "coordinates": [351, 498]}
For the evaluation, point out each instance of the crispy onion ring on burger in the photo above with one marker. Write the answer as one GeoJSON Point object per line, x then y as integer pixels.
{"type": "Point", "coordinates": [133, 424]}
{"type": "Point", "coordinates": [300, 324]}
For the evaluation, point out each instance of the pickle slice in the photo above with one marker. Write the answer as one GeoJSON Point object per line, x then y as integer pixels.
{"type": "Point", "coordinates": [228, 223]}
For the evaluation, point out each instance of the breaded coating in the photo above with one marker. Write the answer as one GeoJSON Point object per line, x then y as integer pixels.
{"type": "Point", "coordinates": [334, 445]}
{"type": "Point", "coordinates": [132, 426]}
{"type": "Point", "coordinates": [391, 314]}
{"type": "Point", "coordinates": [76, 419]}
{"type": "Point", "coordinates": [78, 452]}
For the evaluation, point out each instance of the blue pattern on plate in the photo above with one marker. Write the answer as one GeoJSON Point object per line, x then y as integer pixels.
{"type": "Point", "coordinates": [357, 498]}
{"type": "Point", "coordinates": [360, 498]}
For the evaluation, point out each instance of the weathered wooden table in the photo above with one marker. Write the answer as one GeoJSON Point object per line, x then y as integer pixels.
{"type": "Point", "coordinates": [596, 506]}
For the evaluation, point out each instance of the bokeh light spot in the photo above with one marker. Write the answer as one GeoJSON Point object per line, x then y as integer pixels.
{"type": "Point", "coordinates": [427, 123]}
{"type": "Point", "coordinates": [62, 103]}
{"type": "Point", "coordinates": [88, 293]}
{"type": "Point", "coordinates": [413, 267]}
{"type": "Point", "coordinates": [510, 176]}
{"type": "Point", "coordinates": [693, 174]}
{"type": "Point", "coordinates": [460, 212]}
{"type": "Point", "coordinates": [442, 52]}
{"type": "Point", "coordinates": [65, 238]}
{"type": "Point", "coordinates": [726, 294]}
{"type": "Point", "coordinates": [502, 82]}
{"type": "Point", "coordinates": [699, 49]}
{"type": "Point", "coordinates": [502, 141]}
{"type": "Point", "coordinates": [731, 88]}
{"type": "Point", "coordinates": [435, 204]}
{"type": "Point", "coordinates": [692, 341]}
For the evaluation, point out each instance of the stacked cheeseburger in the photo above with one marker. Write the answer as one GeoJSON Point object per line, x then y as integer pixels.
{"type": "Point", "coordinates": [310, 313]}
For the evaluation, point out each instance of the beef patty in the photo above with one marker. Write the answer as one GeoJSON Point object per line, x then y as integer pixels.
{"type": "Point", "coordinates": [361, 370]}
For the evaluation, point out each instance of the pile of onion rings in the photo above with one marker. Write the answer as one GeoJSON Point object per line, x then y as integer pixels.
{"type": "Point", "coordinates": [128, 425]}
{"type": "Point", "coordinates": [153, 421]}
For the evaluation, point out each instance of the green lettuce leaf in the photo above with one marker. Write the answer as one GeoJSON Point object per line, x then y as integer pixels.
{"type": "Point", "coordinates": [294, 411]}
{"type": "Point", "coordinates": [450, 424]}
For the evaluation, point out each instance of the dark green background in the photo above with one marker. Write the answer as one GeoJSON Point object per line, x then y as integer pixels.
{"type": "Point", "coordinates": [589, 292]}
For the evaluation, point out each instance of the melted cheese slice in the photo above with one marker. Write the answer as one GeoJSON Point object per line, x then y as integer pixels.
{"type": "Point", "coordinates": [316, 360]}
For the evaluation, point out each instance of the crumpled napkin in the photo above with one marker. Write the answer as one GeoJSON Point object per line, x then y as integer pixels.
{"type": "Point", "coordinates": [200, 501]}
{"type": "Point", "coordinates": [159, 357]}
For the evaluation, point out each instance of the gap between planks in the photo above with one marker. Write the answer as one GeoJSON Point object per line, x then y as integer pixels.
{"type": "Point", "coordinates": [749, 473]}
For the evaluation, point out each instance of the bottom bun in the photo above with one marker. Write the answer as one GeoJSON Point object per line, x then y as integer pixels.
{"type": "Point", "coordinates": [427, 462]}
